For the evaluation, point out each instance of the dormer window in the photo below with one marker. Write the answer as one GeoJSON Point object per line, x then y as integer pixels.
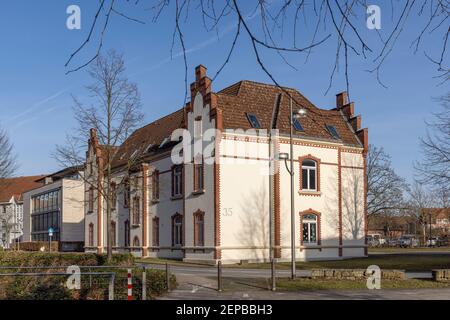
{"type": "Point", "coordinates": [297, 125]}
{"type": "Point", "coordinates": [254, 121]}
{"type": "Point", "coordinates": [333, 131]}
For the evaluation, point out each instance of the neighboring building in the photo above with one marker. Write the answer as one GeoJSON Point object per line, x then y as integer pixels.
{"type": "Point", "coordinates": [393, 227]}
{"type": "Point", "coordinates": [215, 206]}
{"type": "Point", "coordinates": [57, 204]}
{"type": "Point", "coordinates": [440, 221]}
{"type": "Point", "coordinates": [11, 207]}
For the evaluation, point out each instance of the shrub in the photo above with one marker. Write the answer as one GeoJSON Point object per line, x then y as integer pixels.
{"type": "Point", "coordinates": [54, 288]}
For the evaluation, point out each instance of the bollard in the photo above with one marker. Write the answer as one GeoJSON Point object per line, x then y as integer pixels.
{"type": "Point", "coordinates": [130, 286]}
{"type": "Point", "coordinates": [144, 284]}
{"type": "Point", "coordinates": [111, 287]}
{"type": "Point", "coordinates": [167, 277]}
{"type": "Point", "coordinates": [219, 276]}
{"type": "Point", "coordinates": [274, 279]}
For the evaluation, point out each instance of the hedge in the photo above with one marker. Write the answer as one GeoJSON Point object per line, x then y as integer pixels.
{"type": "Point", "coordinates": [92, 287]}
{"type": "Point", "coordinates": [50, 259]}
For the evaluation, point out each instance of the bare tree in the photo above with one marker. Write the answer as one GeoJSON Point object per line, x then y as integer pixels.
{"type": "Point", "coordinates": [384, 187]}
{"type": "Point", "coordinates": [419, 199]}
{"type": "Point", "coordinates": [8, 160]}
{"type": "Point", "coordinates": [114, 112]}
{"type": "Point", "coordinates": [289, 28]}
{"type": "Point", "coordinates": [434, 169]}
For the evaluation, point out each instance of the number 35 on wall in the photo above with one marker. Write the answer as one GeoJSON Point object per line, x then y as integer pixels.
{"type": "Point", "coordinates": [227, 212]}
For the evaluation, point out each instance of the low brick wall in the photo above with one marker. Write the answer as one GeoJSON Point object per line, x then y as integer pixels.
{"type": "Point", "coordinates": [355, 274]}
{"type": "Point", "coordinates": [441, 275]}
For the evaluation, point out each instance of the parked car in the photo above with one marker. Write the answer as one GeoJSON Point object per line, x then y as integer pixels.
{"type": "Point", "coordinates": [375, 240]}
{"type": "Point", "coordinates": [393, 242]}
{"type": "Point", "coordinates": [432, 242]}
{"type": "Point", "coordinates": [408, 241]}
{"type": "Point", "coordinates": [443, 242]}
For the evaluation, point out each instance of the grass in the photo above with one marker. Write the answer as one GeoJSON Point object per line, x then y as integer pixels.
{"type": "Point", "coordinates": [410, 262]}
{"type": "Point", "coordinates": [285, 284]}
{"type": "Point", "coordinates": [169, 261]}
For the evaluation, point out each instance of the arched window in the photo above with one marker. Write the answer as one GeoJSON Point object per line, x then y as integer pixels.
{"type": "Point", "coordinates": [127, 233]}
{"type": "Point", "coordinates": [310, 178]}
{"type": "Point", "coordinates": [199, 228]}
{"type": "Point", "coordinates": [113, 196]}
{"type": "Point", "coordinates": [136, 210]}
{"type": "Point", "coordinates": [177, 230]}
{"type": "Point", "coordinates": [126, 193]}
{"type": "Point", "coordinates": [91, 235]}
{"type": "Point", "coordinates": [310, 227]}
{"type": "Point", "coordinates": [91, 200]}
{"type": "Point", "coordinates": [136, 242]}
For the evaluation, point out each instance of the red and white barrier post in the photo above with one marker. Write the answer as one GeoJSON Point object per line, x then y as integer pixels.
{"type": "Point", "coordinates": [130, 286]}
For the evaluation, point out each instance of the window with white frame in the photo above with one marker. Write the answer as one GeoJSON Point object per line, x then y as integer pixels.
{"type": "Point", "coordinates": [177, 230]}
{"type": "Point", "coordinates": [309, 228]}
{"type": "Point", "coordinates": [309, 175]}
{"type": "Point", "coordinates": [177, 181]}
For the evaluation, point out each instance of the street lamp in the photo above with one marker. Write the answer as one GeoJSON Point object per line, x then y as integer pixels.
{"type": "Point", "coordinates": [300, 113]}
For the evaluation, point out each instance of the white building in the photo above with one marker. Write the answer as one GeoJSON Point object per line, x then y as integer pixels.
{"type": "Point", "coordinates": [57, 204]}
{"type": "Point", "coordinates": [217, 207]}
{"type": "Point", "coordinates": [11, 208]}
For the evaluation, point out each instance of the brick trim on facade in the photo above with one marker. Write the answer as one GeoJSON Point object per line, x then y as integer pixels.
{"type": "Point", "coordinates": [340, 200]}
{"type": "Point", "coordinates": [144, 209]}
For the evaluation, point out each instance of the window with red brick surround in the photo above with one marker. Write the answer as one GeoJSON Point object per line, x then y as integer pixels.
{"type": "Point", "coordinates": [177, 180]}
{"type": "Point", "coordinates": [136, 209]}
{"type": "Point", "coordinates": [309, 174]}
{"type": "Point", "coordinates": [155, 232]}
{"type": "Point", "coordinates": [306, 222]}
{"type": "Point", "coordinates": [91, 199]}
{"type": "Point", "coordinates": [127, 233]}
{"type": "Point", "coordinates": [114, 233]}
{"type": "Point", "coordinates": [199, 228]}
{"type": "Point", "coordinates": [199, 175]}
{"type": "Point", "coordinates": [155, 185]}
{"type": "Point", "coordinates": [91, 235]}
{"type": "Point", "coordinates": [177, 230]}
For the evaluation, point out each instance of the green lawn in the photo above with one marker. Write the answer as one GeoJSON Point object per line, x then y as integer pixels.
{"type": "Point", "coordinates": [410, 262]}
{"type": "Point", "coordinates": [285, 284]}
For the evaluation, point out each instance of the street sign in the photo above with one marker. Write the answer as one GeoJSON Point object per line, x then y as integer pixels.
{"type": "Point", "coordinates": [50, 232]}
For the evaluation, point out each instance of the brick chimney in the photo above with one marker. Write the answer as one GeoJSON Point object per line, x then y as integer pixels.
{"type": "Point", "coordinates": [341, 99]}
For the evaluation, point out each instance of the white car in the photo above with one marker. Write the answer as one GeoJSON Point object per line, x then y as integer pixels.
{"type": "Point", "coordinates": [432, 242]}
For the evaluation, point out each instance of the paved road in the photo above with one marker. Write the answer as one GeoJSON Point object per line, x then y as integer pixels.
{"type": "Point", "coordinates": [190, 293]}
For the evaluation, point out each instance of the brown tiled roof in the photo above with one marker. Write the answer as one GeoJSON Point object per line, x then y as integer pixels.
{"type": "Point", "coordinates": [258, 98]}
{"type": "Point", "coordinates": [152, 134]}
{"type": "Point", "coordinates": [15, 187]}
{"type": "Point", "coordinates": [235, 101]}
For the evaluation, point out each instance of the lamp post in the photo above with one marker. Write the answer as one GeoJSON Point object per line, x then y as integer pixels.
{"type": "Point", "coordinates": [300, 113]}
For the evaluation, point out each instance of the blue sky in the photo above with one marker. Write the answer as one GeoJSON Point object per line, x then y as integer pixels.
{"type": "Point", "coordinates": [35, 92]}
